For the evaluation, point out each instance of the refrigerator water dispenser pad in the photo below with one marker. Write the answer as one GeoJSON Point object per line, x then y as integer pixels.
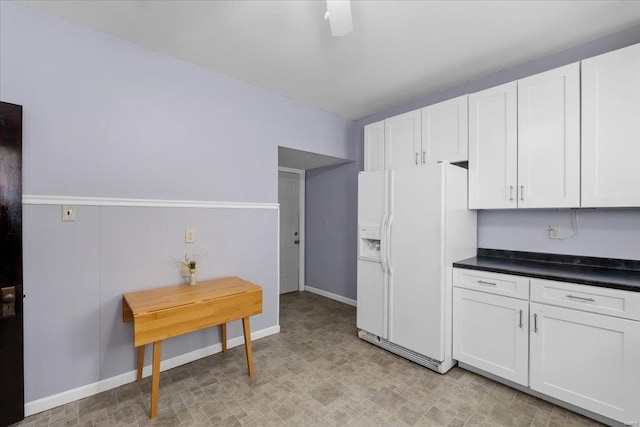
{"type": "Point", "coordinates": [369, 243]}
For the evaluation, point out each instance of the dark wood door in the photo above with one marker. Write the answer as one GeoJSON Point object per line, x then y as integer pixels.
{"type": "Point", "coordinates": [11, 331]}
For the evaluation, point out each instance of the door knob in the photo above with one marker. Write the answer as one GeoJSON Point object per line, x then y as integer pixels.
{"type": "Point", "coordinates": [7, 302]}
{"type": "Point", "coordinates": [8, 298]}
{"type": "Point", "coordinates": [297, 242]}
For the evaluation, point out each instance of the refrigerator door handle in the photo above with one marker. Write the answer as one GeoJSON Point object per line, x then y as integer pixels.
{"type": "Point", "coordinates": [388, 245]}
{"type": "Point", "coordinates": [383, 243]}
{"type": "Point", "coordinates": [389, 290]}
{"type": "Point", "coordinates": [390, 221]}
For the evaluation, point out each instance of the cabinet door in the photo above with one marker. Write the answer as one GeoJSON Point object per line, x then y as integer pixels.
{"type": "Point", "coordinates": [374, 146]}
{"type": "Point", "coordinates": [586, 359]}
{"type": "Point", "coordinates": [493, 148]}
{"type": "Point", "coordinates": [549, 139]}
{"type": "Point", "coordinates": [610, 129]}
{"type": "Point", "coordinates": [444, 131]}
{"type": "Point", "coordinates": [402, 140]}
{"type": "Point", "coordinates": [490, 332]}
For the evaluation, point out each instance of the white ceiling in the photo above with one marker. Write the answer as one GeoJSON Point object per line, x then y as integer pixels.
{"type": "Point", "coordinates": [397, 52]}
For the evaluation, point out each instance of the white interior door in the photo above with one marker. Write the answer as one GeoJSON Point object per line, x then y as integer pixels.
{"type": "Point", "coordinates": [289, 199]}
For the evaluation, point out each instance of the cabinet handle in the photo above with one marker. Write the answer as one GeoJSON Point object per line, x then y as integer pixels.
{"type": "Point", "coordinates": [511, 192]}
{"type": "Point", "coordinates": [481, 282]}
{"type": "Point", "coordinates": [522, 192]}
{"type": "Point", "coordinates": [417, 163]}
{"type": "Point", "coordinates": [535, 323]}
{"type": "Point", "coordinates": [581, 298]}
{"type": "Point", "coordinates": [520, 319]}
{"type": "Point", "coordinates": [424, 157]}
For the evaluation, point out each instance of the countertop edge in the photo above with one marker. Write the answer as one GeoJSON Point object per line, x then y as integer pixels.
{"type": "Point", "coordinates": [556, 277]}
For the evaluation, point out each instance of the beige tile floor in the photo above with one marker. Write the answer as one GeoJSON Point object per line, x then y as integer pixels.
{"type": "Point", "coordinates": [314, 372]}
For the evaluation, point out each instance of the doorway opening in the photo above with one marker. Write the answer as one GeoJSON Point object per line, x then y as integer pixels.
{"type": "Point", "coordinates": [292, 167]}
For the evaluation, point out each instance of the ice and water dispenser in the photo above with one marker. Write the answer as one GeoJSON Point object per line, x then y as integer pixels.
{"type": "Point", "coordinates": [369, 242]}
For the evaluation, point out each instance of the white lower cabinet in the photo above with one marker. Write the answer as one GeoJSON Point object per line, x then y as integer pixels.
{"type": "Point", "coordinates": [491, 333]}
{"type": "Point", "coordinates": [589, 360]}
{"type": "Point", "coordinates": [579, 344]}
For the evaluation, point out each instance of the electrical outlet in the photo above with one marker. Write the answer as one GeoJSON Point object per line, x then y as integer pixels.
{"type": "Point", "coordinates": [185, 271]}
{"type": "Point", "coordinates": [68, 213]}
{"type": "Point", "coordinates": [189, 235]}
{"type": "Point", "coordinates": [554, 231]}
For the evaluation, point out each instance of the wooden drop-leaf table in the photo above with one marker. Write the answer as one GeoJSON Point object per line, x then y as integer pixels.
{"type": "Point", "coordinates": [161, 313]}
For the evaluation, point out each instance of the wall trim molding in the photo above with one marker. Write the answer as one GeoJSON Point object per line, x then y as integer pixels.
{"type": "Point", "coordinates": [330, 295]}
{"type": "Point", "coordinates": [49, 402]}
{"type": "Point", "coordinates": [33, 199]}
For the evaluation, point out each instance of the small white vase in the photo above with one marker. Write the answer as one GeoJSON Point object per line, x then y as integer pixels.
{"type": "Point", "coordinates": [192, 276]}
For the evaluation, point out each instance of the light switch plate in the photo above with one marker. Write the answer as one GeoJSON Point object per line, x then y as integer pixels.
{"type": "Point", "coordinates": [68, 213]}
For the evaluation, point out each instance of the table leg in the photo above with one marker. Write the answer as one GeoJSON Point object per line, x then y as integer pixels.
{"type": "Point", "coordinates": [140, 362]}
{"type": "Point", "coordinates": [155, 378]}
{"type": "Point", "coordinates": [223, 336]}
{"type": "Point", "coordinates": [247, 344]}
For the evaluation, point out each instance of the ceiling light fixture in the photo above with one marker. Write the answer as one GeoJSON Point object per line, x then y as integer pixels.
{"type": "Point", "coordinates": [339, 16]}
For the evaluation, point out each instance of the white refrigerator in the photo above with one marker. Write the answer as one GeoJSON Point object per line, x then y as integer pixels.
{"type": "Point", "coordinates": [412, 225]}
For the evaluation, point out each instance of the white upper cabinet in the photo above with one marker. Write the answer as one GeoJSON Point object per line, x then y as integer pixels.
{"type": "Point", "coordinates": [493, 147]}
{"type": "Point", "coordinates": [524, 143]}
{"type": "Point", "coordinates": [444, 131]}
{"type": "Point", "coordinates": [374, 146]}
{"type": "Point", "coordinates": [565, 138]}
{"type": "Point", "coordinates": [434, 133]}
{"type": "Point", "coordinates": [549, 139]}
{"type": "Point", "coordinates": [610, 129]}
{"type": "Point", "coordinates": [402, 140]}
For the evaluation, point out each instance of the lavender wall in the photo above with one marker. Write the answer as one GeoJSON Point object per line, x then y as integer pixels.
{"type": "Point", "coordinates": [75, 275]}
{"type": "Point", "coordinates": [609, 233]}
{"type": "Point", "coordinates": [603, 232]}
{"type": "Point", "coordinates": [104, 118]}
{"type": "Point", "coordinates": [331, 225]}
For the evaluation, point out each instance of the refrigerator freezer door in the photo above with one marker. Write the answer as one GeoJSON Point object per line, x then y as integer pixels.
{"type": "Point", "coordinates": [372, 280]}
{"type": "Point", "coordinates": [372, 204]}
{"type": "Point", "coordinates": [371, 295]}
{"type": "Point", "coordinates": [416, 285]}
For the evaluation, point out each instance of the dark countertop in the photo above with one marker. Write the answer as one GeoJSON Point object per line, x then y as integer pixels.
{"type": "Point", "coordinates": [603, 272]}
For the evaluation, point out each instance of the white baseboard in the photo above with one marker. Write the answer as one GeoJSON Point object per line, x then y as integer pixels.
{"type": "Point", "coordinates": [330, 295]}
{"type": "Point", "coordinates": [72, 395]}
